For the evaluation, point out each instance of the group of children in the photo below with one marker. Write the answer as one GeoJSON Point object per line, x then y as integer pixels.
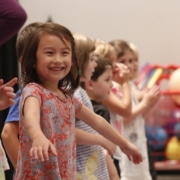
{"type": "Point", "coordinates": [77, 114]}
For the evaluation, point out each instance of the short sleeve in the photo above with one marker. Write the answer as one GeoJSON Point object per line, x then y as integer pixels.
{"type": "Point", "coordinates": [31, 89]}
{"type": "Point", "coordinates": [13, 115]}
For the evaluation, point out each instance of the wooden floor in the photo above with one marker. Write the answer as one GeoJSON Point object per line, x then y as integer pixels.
{"type": "Point", "coordinates": [168, 177]}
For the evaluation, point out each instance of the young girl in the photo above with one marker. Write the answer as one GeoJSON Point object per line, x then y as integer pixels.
{"type": "Point", "coordinates": [47, 108]}
{"type": "Point", "coordinates": [133, 128]}
{"type": "Point", "coordinates": [98, 88]}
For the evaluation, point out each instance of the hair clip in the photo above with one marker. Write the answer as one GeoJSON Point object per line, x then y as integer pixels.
{"type": "Point", "coordinates": [79, 72]}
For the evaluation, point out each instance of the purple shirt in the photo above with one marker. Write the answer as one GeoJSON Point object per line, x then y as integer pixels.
{"type": "Point", "coordinates": [12, 17]}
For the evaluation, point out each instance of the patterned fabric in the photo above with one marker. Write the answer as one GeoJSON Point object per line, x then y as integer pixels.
{"type": "Point", "coordinates": [134, 131]}
{"type": "Point", "coordinates": [90, 162]}
{"type": "Point", "coordinates": [57, 120]}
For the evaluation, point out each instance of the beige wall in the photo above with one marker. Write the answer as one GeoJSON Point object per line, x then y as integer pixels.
{"type": "Point", "coordinates": [153, 25]}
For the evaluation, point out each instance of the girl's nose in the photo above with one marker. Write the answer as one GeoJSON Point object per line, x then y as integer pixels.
{"type": "Point", "coordinates": [57, 58]}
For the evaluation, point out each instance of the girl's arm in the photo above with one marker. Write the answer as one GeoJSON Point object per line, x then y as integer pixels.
{"type": "Point", "coordinates": [105, 129]}
{"type": "Point", "coordinates": [113, 174]}
{"type": "Point", "coordinates": [148, 100]}
{"type": "Point", "coordinates": [83, 137]}
{"type": "Point", "coordinates": [40, 144]}
{"type": "Point", "coordinates": [121, 106]}
{"type": "Point", "coordinates": [11, 141]}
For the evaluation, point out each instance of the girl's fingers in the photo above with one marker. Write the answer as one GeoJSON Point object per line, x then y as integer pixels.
{"type": "Point", "coordinates": [12, 82]}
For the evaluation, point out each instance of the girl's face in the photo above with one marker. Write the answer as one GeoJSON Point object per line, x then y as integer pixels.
{"type": "Point", "coordinates": [54, 58]}
{"type": "Point", "coordinates": [102, 86]}
{"type": "Point", "coordinates": [90, 67]}
{"type": "Point", "coordinates": [128, 59]}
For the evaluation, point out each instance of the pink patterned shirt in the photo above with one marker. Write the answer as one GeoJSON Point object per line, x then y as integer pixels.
{"type": "Point", "coordinates": [57, 120]}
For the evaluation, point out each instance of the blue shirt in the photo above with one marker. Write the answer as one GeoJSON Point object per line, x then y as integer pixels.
{"type": "Point", "coordinates": [13, 114]}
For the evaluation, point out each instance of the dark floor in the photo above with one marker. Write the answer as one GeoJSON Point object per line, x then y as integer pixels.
{"type": "Point", "coordinates": [168, 175]}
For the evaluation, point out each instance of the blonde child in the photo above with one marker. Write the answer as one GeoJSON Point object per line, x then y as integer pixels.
{"type": "Point", "coordinates": [134, 127]}
{"type": "Point", "coordinates": [47, 108]}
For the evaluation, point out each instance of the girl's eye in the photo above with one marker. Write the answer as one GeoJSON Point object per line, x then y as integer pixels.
{"type": "Point", "coordinates": [131, 60]}
{"type": "Point", "coordinates": [49, 52]}
{"type": "Point", "coordinates": [108, 79]}
{"type": "Point", "coordinates": [65, 52]}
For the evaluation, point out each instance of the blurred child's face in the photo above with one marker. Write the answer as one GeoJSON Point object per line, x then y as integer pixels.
{"type": "Point", "coordinates": [129, 60]}
{"type": "Point", "coordinates": [90, 67]}
{"type": "Point", "coordinates": [102, 86]}
{"type": "Point", "coordinates": [54, 58]}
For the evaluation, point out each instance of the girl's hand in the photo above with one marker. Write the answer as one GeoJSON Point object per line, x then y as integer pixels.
{"type": "Point", "coordinates": [7, 94]}
{"type": "Point", "coordinates": [121, 73]}
{"type": "Point", "coordinates": [151, 95]}
{"type": "Point", "coordinates": [132, 153]}
{"type": "Point", "coordinates": [41, 147]}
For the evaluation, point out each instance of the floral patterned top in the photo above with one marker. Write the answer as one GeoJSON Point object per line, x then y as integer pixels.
{"type": "Point", "coordinates": [57, 121]}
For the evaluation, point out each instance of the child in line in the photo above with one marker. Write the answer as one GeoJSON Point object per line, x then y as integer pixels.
{"type": "Point", "coordinates": [91, 163]}
{"type": "Point", "coordinates": [99, 88]}
{"type": "Point", "coordinates": [10, 131]}
{"type": "Point", "coordinates": [134, 127]}
{"type": "Point", "coordinates": [120, 106]}
{"type": "Point", "coordinates": [47, 108]}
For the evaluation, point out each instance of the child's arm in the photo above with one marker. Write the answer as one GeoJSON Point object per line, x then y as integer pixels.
{"type": "Point", "coordinates": [40, 144]}
{"type": "Point", "coordinates": [148, 100]}
{"type": "Point", "coordinates": [121, 106]}
{"type": "Point", "coordinates": [113, 174]}
{"type": "Point", "coordinates": [10, 141]}
{"type": "Point", "coordinates": [83, 137]}
{"type": "Point", "coordinates": [104, 128]}
{"type": "Point", "coordinates": [7, 94]}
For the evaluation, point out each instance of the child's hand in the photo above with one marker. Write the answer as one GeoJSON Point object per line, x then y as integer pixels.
{"type": "Point", "coordinates": [109, 146]}
{"type": "Point", "coordinates": [132, 152]}
{"type": "Point", "coordinates": [40, 149]}
{"type": "Point", "coordinates": [7, 94]}
{"type": "Point", "coordinates": [151, 95]}
{"type": "Point", "coordinates": [121, 73]}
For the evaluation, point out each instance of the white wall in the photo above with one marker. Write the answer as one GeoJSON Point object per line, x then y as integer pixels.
{"type": "Point", "coordinates": [153, 25]}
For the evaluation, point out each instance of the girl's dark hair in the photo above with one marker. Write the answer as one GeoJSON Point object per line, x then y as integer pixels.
{"type": "Point", "coordinates": [102, 65]}
{"type": "Point", "coordinates": [69, 83]}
